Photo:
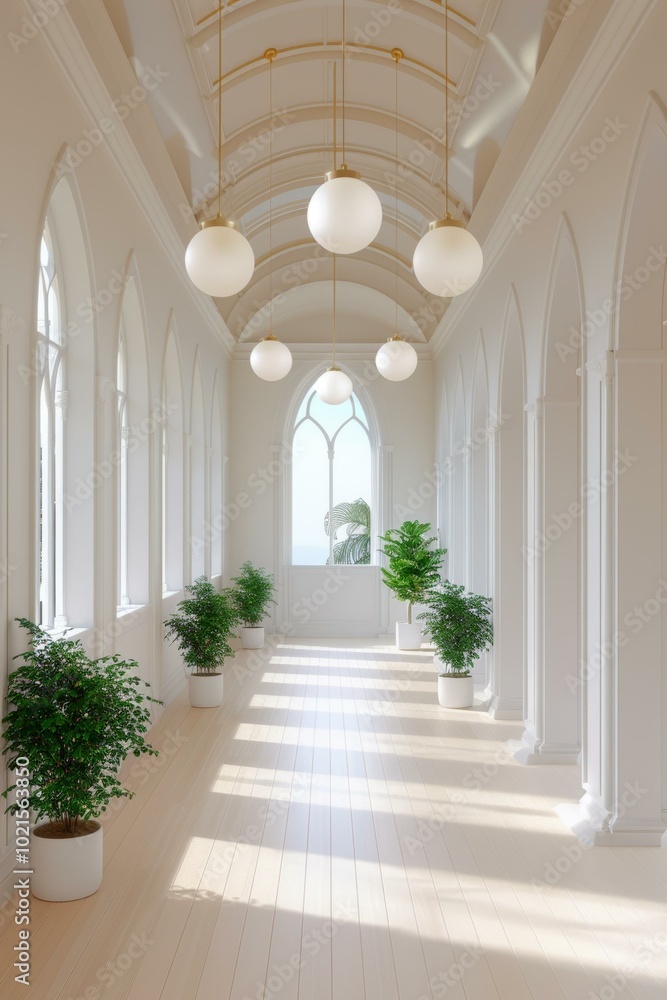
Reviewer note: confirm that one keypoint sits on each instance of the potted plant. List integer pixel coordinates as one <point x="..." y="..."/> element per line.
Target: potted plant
<point x="460" y="627"/>
<point x="252" y="596"/>
<point x="71" y="724"/>
<point x="202" y="626"/>
<point x="414" y="569"/>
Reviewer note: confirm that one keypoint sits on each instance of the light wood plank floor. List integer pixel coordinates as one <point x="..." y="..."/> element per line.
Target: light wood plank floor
<point x="330" y="833"/>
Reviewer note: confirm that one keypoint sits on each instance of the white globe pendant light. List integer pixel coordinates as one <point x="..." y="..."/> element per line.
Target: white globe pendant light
<point x="271" y="359"/>
<point x="448" y="260"/>
<point x="219" y="260"/>
<point x="345" y="214"/>
<point x="334" y="386"/>
<point x="396" y="360"/>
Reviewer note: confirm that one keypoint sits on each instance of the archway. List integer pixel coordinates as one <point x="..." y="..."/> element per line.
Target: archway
<point x="552" y="551"/>
<point x="507" y="688"/>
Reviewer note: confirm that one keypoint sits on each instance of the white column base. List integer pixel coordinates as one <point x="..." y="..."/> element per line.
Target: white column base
<point x="590" y="823"/>
<point x="505" y="709"/>
<point x="533" y="751"/>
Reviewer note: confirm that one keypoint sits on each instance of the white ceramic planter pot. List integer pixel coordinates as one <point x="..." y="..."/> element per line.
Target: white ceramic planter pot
<point x="408" y="635"/>
<point x="67" y="868"/>
<point x="455" y="692"/>
<point x="252" y="637"/>
<point x="206" y="690"/>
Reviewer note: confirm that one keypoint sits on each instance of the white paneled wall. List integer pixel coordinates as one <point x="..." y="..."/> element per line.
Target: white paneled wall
<point x="571" y="309"/>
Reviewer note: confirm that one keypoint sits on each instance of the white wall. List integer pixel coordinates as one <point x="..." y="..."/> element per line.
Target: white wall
<point x="258" y="512"/>
<point x="121" y="189"/>
<point x="571" y="221"/>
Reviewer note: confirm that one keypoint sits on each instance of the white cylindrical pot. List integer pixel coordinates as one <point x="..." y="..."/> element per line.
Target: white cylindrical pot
<point x="252" y="636"/>
<point x="455" y="692"/>
<point x="408" y="635"/>
<point x="65" y="868"/>
<point x="206" y="690"/>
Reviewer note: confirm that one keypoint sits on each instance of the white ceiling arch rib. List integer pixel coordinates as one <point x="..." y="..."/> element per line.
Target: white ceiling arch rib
<point x="495" y="50"/>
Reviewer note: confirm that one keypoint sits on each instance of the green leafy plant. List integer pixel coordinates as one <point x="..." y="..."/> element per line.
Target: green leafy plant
<point x="414" y="564"/>
<point x="459" y="625"/>
<point x="76" y="720"/>
<point x="253" y="594"/>
<point x="202" y="626"/>
<point x="355" y="548"/>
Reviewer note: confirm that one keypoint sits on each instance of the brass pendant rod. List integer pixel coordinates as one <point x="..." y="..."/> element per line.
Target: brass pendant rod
<point x="446" y="111"/>
<point x="335" y="116"/>
<point x="334" y="310"/>
<point x="343" y="93"/>
<point x="220" y="113"/>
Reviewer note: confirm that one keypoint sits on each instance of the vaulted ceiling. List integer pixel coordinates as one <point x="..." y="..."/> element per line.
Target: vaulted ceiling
<point x="496" y="47"/>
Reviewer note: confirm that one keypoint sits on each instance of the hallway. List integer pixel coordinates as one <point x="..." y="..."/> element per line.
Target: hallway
<point x="330" y="833"/>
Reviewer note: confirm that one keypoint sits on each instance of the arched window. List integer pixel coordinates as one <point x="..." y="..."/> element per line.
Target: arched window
<point x="332" y="484"/>
<point x="198" y="533"/>
<point x="66" y="478"/>
<point x="52" y="403"/>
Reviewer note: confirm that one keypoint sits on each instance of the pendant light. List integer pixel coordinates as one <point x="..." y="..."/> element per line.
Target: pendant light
<point x="396" y="360"/>
<point x="271" y="360"/>
<point x="334" y="386"/>
<point x="344" y="214"/>
<point x="448" y="259"/>
<point x="219" y="259"/>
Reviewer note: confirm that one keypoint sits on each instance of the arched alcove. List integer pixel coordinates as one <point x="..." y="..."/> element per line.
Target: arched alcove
<point x="555" y="519"/>
<point x="66" y="477"/>
<point x="458" y="469"/>
<point x="216" y="485"/>
<point x="173" y="467"/>
<point x="479" y="534"/>
<point x="136" y="427"/>
<point x="634" y="465"/>
<point x="198" y="446"/>
<point x="509" y="654"/>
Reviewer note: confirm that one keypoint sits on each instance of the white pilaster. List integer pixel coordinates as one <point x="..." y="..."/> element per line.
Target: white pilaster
<point x="552" y="721"/>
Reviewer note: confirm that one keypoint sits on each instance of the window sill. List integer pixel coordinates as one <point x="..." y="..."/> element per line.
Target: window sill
<point x="128" y="609"/>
